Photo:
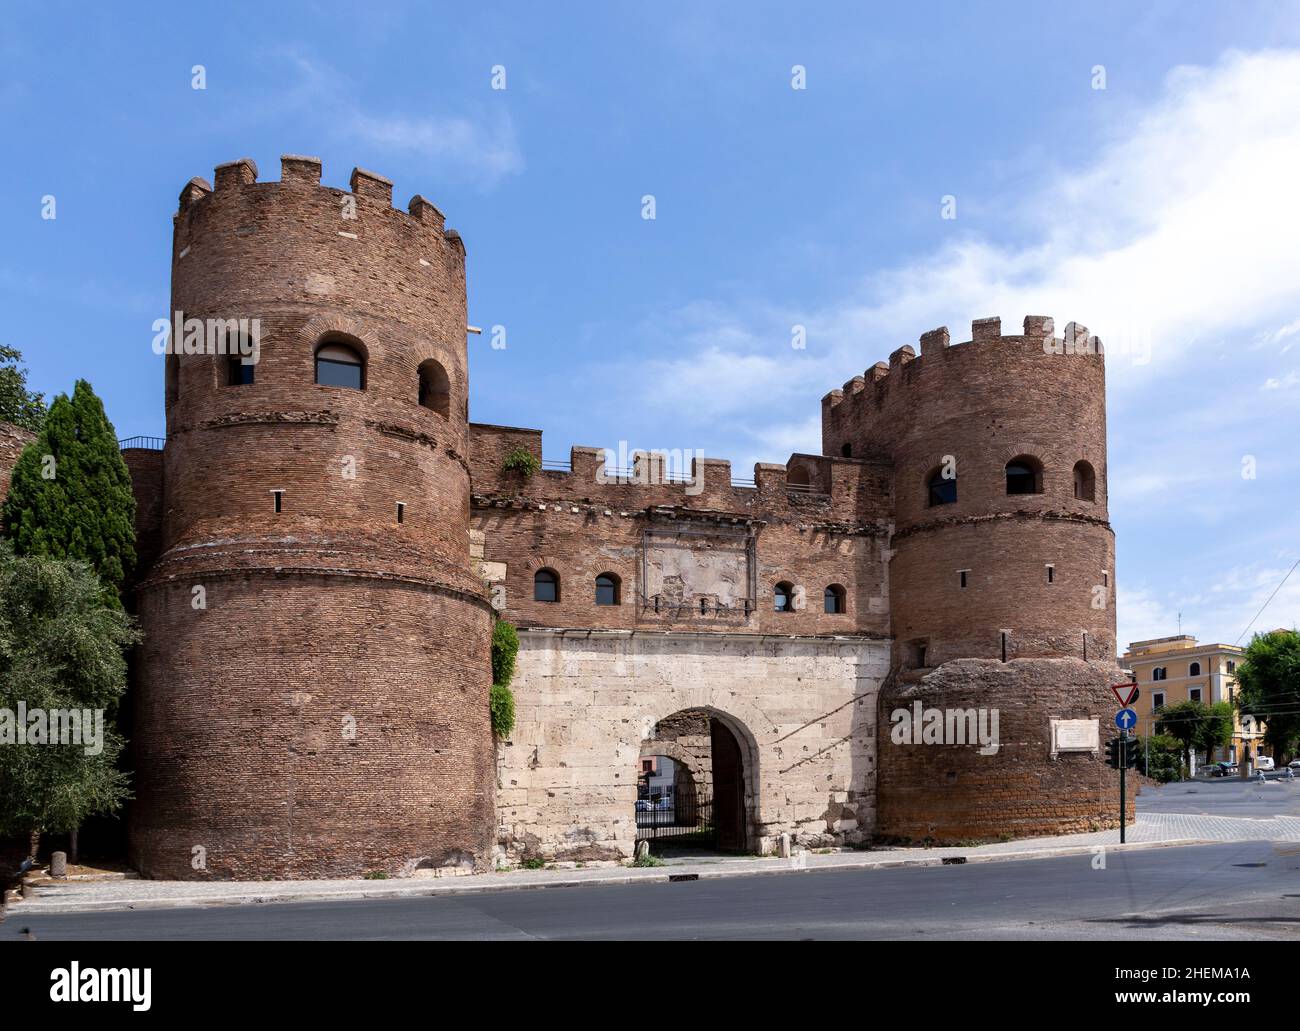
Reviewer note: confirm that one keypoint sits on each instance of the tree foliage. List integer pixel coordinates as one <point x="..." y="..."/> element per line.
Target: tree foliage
<point x="70" y="496"/>
<point x="1268" y="687"/>
<point x="61" y="649"/>
<point x="1162" y="758"/>
<point x="1185" y="722"/>
<point x="18" y="405"/>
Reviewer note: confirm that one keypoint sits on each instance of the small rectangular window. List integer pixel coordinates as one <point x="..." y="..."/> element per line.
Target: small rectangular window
<point x="401" y="511"/>
<point x="1157" y="699"/>
<point x="1194" y="694"/>
<point x="1051" y="574"/>
<point x="279" y="500"/>
<point x="1105" y="578"/>
<point x="961" y="577"/>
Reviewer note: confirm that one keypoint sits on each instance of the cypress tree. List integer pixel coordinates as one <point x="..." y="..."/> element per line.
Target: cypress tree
<point x="70" y="496"/>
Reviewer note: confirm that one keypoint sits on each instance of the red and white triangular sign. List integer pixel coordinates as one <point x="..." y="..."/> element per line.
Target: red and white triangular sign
<point x="1127" y="693"/>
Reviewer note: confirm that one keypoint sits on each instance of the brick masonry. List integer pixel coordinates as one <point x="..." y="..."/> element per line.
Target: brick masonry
<point x="324" y="710"/>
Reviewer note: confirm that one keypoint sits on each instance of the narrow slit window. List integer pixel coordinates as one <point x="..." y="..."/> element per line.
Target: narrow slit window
<point x="1051" y="574"/>
<point x="961" y="577"/>
<point x="401" y="511"/>
<point x="279" y="500"/>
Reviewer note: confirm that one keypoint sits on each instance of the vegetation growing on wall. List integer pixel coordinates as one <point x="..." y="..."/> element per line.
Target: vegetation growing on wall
<point x="521" y="461"/>
<point x="505" y="647"/>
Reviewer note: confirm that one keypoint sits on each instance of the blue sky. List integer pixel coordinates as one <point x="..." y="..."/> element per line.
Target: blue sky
<point x="1161" y="211"/>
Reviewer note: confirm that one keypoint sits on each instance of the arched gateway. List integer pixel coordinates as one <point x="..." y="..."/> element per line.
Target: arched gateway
<point x="693" y="786"/>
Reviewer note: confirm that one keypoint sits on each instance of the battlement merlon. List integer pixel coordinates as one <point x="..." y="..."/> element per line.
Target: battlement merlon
<point x="302" y="171"/>
<point x="986" y="331"/>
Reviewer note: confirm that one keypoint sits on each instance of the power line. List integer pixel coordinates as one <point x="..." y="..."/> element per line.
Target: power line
<point x="1270" y="598"/>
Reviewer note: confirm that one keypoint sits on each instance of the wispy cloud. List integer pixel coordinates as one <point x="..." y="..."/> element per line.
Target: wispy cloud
<point x="480" y="147"/>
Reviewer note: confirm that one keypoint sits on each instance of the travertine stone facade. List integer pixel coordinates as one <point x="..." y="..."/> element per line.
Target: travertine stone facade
<point x="802" y="708"/>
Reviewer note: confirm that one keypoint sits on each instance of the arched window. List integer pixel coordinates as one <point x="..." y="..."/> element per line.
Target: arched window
<point x="607" y="585"/>
<point x="1024" y="475"/>
<point x="846" y="450"/>
<point x="1194" y="670"/>
<point x="237" y="373"/>
<point x="435" y="388"/>
<point x="940" y="490"/>
<point x="1085" y="482"/>
<point x="1159" y="673"/>
<point x="546" y="585"/>
<point x="834" y="599"/>
<point x="340" y="365"/>
<point x="784" y="597"/>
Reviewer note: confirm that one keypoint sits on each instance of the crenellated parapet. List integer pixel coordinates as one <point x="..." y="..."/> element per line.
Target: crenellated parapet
<point x="905" y="365"/>
<point x="806" y="487"/>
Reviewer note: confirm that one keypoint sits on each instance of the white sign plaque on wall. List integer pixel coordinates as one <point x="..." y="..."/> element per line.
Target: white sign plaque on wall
<point x="1075" y="736"/>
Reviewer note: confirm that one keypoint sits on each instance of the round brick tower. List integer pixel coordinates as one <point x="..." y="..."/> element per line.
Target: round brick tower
<point x="313" y="686"/>
<point x="1002" y="573"/>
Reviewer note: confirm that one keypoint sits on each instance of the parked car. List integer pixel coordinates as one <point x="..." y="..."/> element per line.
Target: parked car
<point x="1215" y="770"/>
<point x="1294" y="764"/>
<point x="1264" y="762"/>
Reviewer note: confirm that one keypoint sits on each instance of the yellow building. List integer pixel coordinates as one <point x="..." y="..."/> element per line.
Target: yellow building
<point x="1178" y="669"/>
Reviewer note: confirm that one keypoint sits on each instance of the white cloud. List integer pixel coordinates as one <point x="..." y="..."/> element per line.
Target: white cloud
<point x="1180" y="231"/>
<point x="483" y="150"/>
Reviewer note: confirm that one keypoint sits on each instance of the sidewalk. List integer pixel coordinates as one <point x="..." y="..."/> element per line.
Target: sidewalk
<point x="1152" y="830"/>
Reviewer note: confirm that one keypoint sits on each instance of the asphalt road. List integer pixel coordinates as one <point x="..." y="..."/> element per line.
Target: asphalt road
<point x="1247" y="890"/>
<point x="1224" y="797"/>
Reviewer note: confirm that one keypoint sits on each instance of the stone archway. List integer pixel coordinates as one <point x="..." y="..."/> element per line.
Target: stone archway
<point x="709" y="802"/>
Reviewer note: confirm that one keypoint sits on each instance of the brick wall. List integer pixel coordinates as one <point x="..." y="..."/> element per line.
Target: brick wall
<point x="12" y="441"/>
<point x="948" y="792"/>
<point x="332" y="607"/>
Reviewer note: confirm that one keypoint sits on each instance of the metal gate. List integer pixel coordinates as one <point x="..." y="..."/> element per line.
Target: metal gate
<point x="681" y="819"/>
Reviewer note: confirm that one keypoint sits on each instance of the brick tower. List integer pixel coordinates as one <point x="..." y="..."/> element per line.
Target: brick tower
<point x="312" y="693"/>
<point x="1001" y="575"/>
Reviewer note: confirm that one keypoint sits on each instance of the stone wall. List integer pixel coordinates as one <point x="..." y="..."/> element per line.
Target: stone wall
<point x="803" y="710"/>
<point x="945" y="792"/>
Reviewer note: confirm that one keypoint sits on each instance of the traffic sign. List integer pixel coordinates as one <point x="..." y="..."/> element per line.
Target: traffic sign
<point x="1125" y="719"/>
<point x="1126" y="693"/>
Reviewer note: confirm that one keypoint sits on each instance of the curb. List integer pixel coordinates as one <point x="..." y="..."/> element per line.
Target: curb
<point x="658" y="875"/>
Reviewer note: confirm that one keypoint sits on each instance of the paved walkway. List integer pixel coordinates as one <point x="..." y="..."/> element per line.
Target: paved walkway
<point x="1150" y="830"/>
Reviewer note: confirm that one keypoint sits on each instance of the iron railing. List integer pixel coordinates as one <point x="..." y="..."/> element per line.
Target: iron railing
<point x="142" y="443"/>
<point x="683" y="822"/>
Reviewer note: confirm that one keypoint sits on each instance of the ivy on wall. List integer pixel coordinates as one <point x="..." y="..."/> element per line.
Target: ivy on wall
<point x="501" y="701"/>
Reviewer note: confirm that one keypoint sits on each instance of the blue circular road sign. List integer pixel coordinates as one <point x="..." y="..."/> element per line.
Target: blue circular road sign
<point x="1125" y="719"/>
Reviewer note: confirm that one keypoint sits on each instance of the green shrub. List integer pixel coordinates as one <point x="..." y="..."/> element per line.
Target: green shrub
<point x="501" y="703"/>
<point x="1161" y="758"/>
<point x="520" y="460"/>
<point x="647" y="860"/>
<point x="505" y="647"/>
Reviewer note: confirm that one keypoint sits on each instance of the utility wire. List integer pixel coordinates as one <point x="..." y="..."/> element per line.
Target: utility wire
<point x="1270" y="598"/>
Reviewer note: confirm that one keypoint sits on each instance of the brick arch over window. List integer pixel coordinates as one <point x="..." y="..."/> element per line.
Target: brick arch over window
<point x="434" y="387"/>
<point x="353" y="332"/>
